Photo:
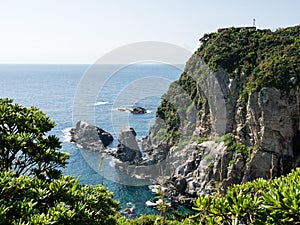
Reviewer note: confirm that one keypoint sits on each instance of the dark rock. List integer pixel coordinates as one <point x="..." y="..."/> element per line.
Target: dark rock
<point x="105" y="137"/>
<point x="138" y="110"/>
<point x="90" y="137"/>
<point x="128" y="148"/>
<point x="180" y="185"/>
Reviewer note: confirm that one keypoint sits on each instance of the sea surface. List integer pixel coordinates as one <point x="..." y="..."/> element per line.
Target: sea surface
<point x="55" y="89"/>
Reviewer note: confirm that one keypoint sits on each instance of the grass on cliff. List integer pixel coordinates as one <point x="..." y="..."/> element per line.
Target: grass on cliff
<point x="237" y="147"/>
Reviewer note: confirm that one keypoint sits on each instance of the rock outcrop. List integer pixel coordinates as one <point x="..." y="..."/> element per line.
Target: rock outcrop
<point x="90" y="137"/>
<point x="128" y="149"/>
<point x="267" y="129"/>
<point x="138" y="110"/>
<point x="229" y="118"/>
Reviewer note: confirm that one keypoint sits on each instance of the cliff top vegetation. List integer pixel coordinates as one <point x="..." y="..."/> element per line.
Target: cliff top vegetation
<point x="262" y="58"/>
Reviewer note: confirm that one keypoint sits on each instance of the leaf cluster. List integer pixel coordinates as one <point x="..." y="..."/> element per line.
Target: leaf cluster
<point x="24" y="145"/>
<point x="256" y="202"/>
<point x="30" y="200"/>
<point x="32" y="189"/>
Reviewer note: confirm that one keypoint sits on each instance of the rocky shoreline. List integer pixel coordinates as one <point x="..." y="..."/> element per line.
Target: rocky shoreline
<point x="232" y="117"/>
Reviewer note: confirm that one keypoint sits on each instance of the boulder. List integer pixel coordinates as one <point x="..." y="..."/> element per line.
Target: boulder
<point x="128" y="149"/>
<point x="138" y="110"/>
<point x="180" y="185"/>
<point x="90" y="137"/>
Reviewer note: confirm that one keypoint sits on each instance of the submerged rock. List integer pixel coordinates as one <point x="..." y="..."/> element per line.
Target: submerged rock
<point x="90" y="137"/>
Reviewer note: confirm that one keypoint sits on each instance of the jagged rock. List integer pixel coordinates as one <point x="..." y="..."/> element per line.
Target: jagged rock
<point x="180" y="184"/>
<point x="272" y="118"/>
<point x="128" y="148"/>
<point x="208" y="103"/>
<point x="138" y="110"/>
<point x="90" y="137"/>
<point x="192" y="186"/>
<point x="234" y="175"/>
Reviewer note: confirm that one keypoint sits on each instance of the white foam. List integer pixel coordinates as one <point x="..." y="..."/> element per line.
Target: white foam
<point x="101" y="103"/>
<point x="155" y="188"/>
<point x="121" y="109"/>
<point x="152" y="204"/>
<point x="66" y="134"/>
<point x="79" y="146"/>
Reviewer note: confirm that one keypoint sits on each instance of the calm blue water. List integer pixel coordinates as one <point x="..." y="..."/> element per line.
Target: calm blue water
<point x="52" y="89"/>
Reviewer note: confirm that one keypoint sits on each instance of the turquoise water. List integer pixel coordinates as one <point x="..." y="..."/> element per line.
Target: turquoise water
<point x="52" y="88"/>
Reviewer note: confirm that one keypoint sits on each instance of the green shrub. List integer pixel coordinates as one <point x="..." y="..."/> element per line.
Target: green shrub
<point x="257" y="202"/>
<point x="236" y="147"/>
<point x="30" y="200"/>
<point x="155" y="220"/>
<point x="201" y="140"/>
<point x="281" y="203"/>
<point x="32" y="191"/>
<point x="182" y="143"/>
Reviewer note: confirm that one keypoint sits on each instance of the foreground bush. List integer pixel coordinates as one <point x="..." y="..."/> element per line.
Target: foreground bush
<point x="29" y="200"/>
<point x="257" y="202"/>
<point x="155" y="220"/>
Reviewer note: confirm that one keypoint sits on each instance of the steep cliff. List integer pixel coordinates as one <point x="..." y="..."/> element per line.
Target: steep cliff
<point x="234" y="114"/>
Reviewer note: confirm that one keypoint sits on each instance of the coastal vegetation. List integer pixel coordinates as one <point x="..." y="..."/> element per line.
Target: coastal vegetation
<point x="236" y="147"/>
<point x="257" y="202"/>
<point x="32" y="188"/>
<point x="24" y="147"/>
<point x="31" y="200"/>
<point x="260" y="58"/>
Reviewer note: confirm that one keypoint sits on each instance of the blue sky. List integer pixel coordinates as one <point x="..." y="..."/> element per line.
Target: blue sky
<point x="81" y="31"/>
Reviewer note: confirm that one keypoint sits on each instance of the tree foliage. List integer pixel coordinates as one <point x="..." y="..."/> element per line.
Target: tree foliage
<point x="24" y="146"/>
<point x="30" y="200"/>
<point x="27" y="157"/>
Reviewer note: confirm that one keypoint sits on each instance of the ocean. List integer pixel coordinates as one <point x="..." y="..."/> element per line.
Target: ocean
<point x="60" y="92"/>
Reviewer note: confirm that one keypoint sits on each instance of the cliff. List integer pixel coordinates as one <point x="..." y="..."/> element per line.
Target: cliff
<point x="233" y="115"/>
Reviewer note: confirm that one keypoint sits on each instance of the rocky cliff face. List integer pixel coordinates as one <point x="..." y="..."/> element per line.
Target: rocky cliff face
<point x="227" y="121"/>
<point x="264" y="143"/>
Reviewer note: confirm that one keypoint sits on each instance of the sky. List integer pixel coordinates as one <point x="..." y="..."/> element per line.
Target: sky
<point x="81" y="31"/>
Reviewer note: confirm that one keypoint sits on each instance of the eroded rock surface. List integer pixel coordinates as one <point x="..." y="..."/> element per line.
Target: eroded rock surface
<point x="90" y="137"/>
<point x="128" y="149"/>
